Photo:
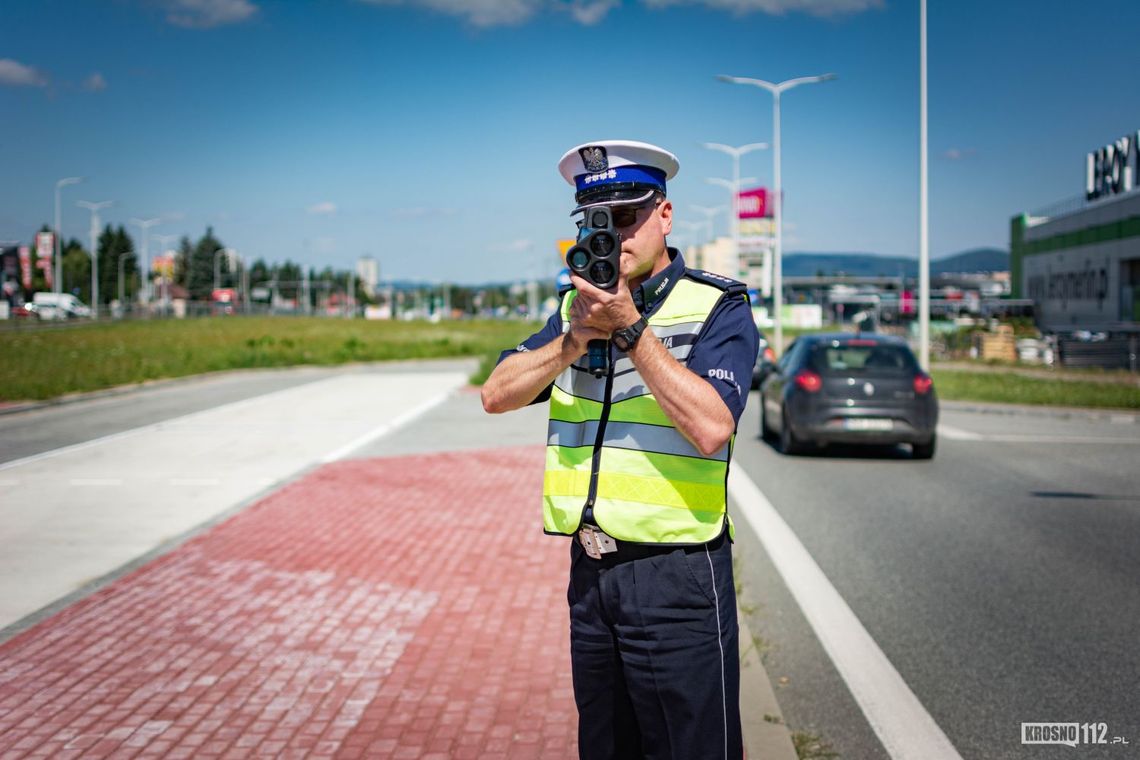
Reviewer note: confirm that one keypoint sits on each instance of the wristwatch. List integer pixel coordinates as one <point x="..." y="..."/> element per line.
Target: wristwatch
<point x="626" y="338"/>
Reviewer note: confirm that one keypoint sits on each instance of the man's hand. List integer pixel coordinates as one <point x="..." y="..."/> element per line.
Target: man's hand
<point x="603" y="311"/>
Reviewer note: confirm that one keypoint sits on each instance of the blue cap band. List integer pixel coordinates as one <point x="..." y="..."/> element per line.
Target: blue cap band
<point x="644" y="175"/>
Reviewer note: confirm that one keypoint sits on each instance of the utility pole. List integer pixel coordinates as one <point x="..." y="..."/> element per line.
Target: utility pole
<point x="94" y="209"/>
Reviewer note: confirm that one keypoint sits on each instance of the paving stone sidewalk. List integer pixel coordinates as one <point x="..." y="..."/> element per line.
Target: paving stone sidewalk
<point x="393" y="607"/>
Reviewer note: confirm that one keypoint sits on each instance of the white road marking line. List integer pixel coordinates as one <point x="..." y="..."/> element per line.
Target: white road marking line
<point x="895" y="714"/>
<point x="381" y="430"/>
<point x="96" y="481"/>
<point x="155" y="425"/>
<point x="1060" y="439"/>
<point x="194" y="481"/>
<point x="957" y="434"/>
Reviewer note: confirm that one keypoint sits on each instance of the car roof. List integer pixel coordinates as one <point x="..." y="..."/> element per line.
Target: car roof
<point x="890" y="340"/>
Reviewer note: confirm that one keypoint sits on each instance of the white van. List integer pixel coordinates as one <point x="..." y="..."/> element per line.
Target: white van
<point x="60" y="306"/>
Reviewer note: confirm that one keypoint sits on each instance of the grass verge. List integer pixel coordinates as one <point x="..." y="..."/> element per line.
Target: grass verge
<point x="1010" y="388"/>
<point x="41" y="364"/>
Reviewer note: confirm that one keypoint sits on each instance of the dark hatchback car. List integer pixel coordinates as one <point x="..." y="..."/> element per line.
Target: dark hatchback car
<point x="849" y="388"/>
<point x="765" y="361"/>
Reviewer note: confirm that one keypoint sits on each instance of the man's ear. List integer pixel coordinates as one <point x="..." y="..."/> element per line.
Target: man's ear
<point x="666" y="211"/>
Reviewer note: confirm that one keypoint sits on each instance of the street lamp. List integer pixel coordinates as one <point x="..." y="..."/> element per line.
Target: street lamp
<point x="217" y="271"/>
<point x="163" y="241"/>
<point x="736" y="153"/>
<point x="146" y="224"/>
<point x="58" y="234"/>
<point x="94" y="209"/>
<point x="733" y="187"/>
<point x="709" y="212"/>
<point x="924" y="209"/>
<point x="777" y="201"/>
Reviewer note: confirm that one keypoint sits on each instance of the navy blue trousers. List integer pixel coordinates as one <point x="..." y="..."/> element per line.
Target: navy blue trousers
<point x="653" y="646"/>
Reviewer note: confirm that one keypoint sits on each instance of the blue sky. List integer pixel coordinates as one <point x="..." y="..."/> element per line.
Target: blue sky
<point x="426" y="133"/>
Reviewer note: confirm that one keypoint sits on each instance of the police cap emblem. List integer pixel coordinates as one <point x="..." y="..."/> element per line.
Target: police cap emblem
<point x="594" y="158"/>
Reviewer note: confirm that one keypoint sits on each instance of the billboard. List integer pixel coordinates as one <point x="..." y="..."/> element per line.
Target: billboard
<point x="26" y="267"/>
<point x="753" y="203"/>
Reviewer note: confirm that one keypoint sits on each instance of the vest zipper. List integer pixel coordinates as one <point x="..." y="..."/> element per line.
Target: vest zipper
<point x="597" y="460"/>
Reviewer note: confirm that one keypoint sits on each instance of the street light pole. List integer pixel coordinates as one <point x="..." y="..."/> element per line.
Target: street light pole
<point x="777" y="201"/>
<point x="94" y="209"/>
<point x="59" y="234"/>
<point x="217" y="272"/>
<point x="733" y="187"/>
<point x="163" y="241"/>
<point x="736" y="153"/>
<point x="923" y="214"/>
<point x="709" y="212"/>
<point x="145" y="225"/>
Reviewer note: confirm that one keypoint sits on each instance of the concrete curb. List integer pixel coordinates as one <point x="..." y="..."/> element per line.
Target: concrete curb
<point x="766" y="736"/>
<point x="1053" y="412"/>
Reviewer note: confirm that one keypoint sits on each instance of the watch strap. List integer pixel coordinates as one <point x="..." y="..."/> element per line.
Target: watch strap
<point x="628" y="336"/>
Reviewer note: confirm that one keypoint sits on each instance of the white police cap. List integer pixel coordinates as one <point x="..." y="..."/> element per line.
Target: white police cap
<point x="616" y="172"/>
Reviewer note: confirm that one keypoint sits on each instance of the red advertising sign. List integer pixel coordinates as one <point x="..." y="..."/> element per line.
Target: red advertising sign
<point x="26" y="267"/>
<point x="906" y="303"/>
<point x="753" y="203"/>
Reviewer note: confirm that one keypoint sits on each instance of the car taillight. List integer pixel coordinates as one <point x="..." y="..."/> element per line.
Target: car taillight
<point x="809" y="381"/>
<point x="769" y="355"/>
<point x="922" y="384"/>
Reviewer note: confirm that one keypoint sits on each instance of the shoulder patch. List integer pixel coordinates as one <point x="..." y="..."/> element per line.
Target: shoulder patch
<point x="718" y="281"/>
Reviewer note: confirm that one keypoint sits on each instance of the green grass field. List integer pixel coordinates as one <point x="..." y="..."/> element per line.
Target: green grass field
<point x="1009" y="388"/>
<point x="45" y="363"/>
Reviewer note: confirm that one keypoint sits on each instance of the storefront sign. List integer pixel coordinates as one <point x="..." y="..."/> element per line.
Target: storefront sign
<point x="1113" y="169"/>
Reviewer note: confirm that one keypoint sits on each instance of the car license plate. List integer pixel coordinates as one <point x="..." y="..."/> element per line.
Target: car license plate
<point x="868" y="423"/>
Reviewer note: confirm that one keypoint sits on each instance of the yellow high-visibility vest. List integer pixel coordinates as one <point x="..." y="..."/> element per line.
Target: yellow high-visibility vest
<point x="612" y="447"/>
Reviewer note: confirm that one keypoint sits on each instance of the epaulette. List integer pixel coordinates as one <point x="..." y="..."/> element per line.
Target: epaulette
<point x="727" y="284"/>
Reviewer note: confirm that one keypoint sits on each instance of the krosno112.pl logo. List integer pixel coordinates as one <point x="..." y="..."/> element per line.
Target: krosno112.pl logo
<point x="1069" y="734"/>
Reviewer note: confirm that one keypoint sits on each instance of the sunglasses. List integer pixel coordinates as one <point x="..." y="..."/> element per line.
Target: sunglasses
<point x="626" y="216"/>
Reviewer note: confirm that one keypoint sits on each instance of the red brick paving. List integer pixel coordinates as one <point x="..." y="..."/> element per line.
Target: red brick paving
<point x="403" y="607"/>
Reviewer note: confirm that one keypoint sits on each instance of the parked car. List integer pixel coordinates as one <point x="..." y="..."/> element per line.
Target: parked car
<point x="25" y="311"/>
<point x="849" y="388"/>
<point x="765" y="362"/>
<point x="60" y="306"/>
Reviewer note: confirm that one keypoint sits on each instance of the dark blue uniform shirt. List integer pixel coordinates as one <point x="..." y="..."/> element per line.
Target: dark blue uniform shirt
<point x="725" y="350"/>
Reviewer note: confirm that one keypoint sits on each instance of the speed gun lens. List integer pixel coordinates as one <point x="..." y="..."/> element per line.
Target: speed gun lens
<point x="579" y="258"/>
<point x="602" y="244"/>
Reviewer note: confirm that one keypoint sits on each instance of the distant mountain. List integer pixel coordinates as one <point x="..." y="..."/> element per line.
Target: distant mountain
<point x="872" y="265"/>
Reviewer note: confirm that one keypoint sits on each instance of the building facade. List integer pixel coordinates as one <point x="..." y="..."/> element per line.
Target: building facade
<point x="1079" y="261"/>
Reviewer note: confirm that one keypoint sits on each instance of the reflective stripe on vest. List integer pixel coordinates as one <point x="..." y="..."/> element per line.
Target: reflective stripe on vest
<point x="651" y="484"/>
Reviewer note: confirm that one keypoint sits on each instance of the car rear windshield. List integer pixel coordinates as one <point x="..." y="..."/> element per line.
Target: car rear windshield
<point x="856" y="357"/>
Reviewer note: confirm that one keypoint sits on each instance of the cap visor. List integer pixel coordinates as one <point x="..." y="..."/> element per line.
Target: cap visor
<point x="615" y="202"/>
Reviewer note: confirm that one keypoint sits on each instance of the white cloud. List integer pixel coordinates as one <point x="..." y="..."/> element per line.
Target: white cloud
<point x="957" y="154"/>
<point x="419" y="212"/>
<point x="203" y="14"/>
<point x="489" y="13"/>
<point x="482" y="13"/>
<point x="588" y="13"/>
<point x="95" y="82"/>
<point x="515" y="246"/>
<point x="16" y="74"/>
<point x="822" y="8"/>
<point x="323" y="208"/>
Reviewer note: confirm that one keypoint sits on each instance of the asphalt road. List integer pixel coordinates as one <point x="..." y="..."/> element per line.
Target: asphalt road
<point x="1000" y="579"/>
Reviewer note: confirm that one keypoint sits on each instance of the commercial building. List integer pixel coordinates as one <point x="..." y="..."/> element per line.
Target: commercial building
<point x="1079" y="260"/>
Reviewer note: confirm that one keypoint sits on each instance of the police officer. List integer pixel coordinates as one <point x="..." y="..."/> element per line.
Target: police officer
<point x="636" y="469"/>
